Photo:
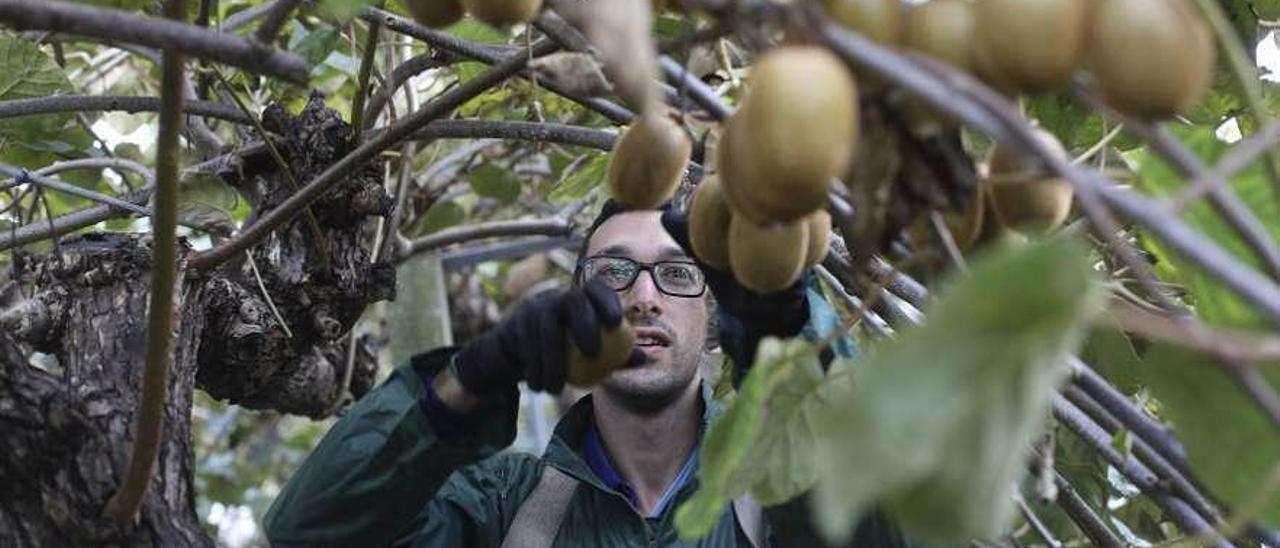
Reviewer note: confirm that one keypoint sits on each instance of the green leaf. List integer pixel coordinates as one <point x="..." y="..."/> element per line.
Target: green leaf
<point x="1231" y="443"/>
<point x="1076" y="126"/>
<point x="343" y="9"/>
<point x="1112" y="353"/>
<point x="314" y="46"/>
<point x="939" y="422"/>
<point x="494" y="181"/>
<point x="763" y="443"/>
<point x="207" y="202"/>
<point x="1268" y="10"/>
<point x="1211" y="300"/>
<point x="588" y="176"/>
<point x="441" y="215"/>
<point x="33" y="141"/>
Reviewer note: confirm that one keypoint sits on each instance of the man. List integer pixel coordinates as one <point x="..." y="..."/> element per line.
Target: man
<point x="415" y="461"/>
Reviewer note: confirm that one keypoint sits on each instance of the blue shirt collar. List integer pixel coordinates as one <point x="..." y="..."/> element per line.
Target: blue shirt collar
<point x="598" y="460"/>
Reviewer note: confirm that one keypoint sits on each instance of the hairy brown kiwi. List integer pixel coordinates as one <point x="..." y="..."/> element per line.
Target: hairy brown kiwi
<point x="1035" y="44"/>
<point x="766" y="259"/>
<point x="709" y="218"/>
<point x="819" y="237"/>
<point x="615" y="347"/>
<point x="648" y="161"/>
<point x="434" y="13"/>
<point x="879" y="20"/>
<point x="502" y="13"/>
<point x="1152" y="58"/>
<point x="795" y="132"/>
<point x="943" y="29"/>
<point x="1022" y="197"/>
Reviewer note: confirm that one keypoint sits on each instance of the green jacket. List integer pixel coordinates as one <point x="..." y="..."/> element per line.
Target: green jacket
<point x="383" y="476"/>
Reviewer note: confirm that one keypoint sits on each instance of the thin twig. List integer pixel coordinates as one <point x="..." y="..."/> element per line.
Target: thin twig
<point x="1185" y="331"/>
<point x="125" y="164"/>
<point x="1187" y="519"/>
<point x="402" y="129"/>
<point x="109" y="103"/>
<point x="362" y="81"/>
<point x="154" y="32"/>
<point x="124" y="503"/>
<point x="1083" y="516"/>
<point x="1098" y="146"/>
<point x="22" y="176"/>
<point x="523" y="227"/>
<point x="266" y="296"/>
<point x="399" y="76"/>
<point x="1037" y="524"/>
<point x="487" y="54"/>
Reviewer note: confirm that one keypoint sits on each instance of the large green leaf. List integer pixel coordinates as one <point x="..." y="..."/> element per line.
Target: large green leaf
<point x="939" y="422"/>
<point x="577" y="184"/>
<point x="1230" y="442"/>
<point x="494" y="181"/>
<point x="34" y="141"/>
<point x="764" y="441"/>
<point x="1211" y="300"/>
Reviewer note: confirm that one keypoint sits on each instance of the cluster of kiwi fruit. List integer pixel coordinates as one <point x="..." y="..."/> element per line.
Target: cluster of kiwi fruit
<point x="499" y="13"/>
<point x="1151" y="58"/>
<point x="761" y="217"/>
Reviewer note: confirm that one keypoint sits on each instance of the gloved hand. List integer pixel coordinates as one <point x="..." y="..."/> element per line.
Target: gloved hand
<point x="783" y="313"/>
<point x="530" y="344"/>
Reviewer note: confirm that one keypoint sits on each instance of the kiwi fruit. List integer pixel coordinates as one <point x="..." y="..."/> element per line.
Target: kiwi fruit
<point x="819" y="237"/>
<point x="709" y="218"/>
<point x="503" y="13"/>
<point x="648" y="161"/>
<point x="1024" y="199"/>
<point x="796" y="131"/>
<point x="615" y="348"/>
<point x="434" y="13"/>
<point x="1152" y="58"/>
<point x="1035" y="44"/>
<point x="879" y="20"/>
<point x="735" y="177"/>
<point x="943" y="29"/>
<point x="767" y="258"/>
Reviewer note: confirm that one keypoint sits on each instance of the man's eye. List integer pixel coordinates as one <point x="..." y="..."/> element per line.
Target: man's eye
<point x="679" y="274"/>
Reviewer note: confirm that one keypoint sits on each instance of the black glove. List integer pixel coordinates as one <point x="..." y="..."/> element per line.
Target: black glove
<point x="753" y="316"/>
<point x="530" y="343"/>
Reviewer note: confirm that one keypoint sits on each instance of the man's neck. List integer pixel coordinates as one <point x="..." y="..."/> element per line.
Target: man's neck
<point x="648" y="449"/>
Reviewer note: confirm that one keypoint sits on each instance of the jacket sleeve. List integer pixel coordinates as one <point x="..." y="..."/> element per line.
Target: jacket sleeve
<point x="368" y="479"/>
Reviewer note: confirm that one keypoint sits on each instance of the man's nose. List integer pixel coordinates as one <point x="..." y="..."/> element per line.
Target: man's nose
<point x="643" y="296"/>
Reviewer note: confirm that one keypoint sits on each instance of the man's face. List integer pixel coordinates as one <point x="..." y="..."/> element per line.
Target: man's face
<point x="670" y="330"/>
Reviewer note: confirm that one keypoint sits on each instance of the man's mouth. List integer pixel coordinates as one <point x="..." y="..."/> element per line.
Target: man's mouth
<point x="650" y="337"/>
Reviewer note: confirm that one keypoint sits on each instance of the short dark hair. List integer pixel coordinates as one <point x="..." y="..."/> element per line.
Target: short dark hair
<point x="610" y="208"/>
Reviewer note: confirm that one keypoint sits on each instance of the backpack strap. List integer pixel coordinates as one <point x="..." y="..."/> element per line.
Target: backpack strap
<point x="750" y="519"/>
<point x="538" y="519"/>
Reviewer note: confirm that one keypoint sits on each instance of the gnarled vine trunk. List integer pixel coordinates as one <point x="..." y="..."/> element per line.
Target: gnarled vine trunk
<point x="65" y="429"/>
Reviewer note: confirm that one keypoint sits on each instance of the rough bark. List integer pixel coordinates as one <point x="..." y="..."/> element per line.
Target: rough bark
<point x="255" y="361"/>
<point x="66" y="430"/>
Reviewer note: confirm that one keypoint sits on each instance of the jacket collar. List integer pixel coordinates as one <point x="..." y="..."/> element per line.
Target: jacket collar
<point x="565" y="451"/>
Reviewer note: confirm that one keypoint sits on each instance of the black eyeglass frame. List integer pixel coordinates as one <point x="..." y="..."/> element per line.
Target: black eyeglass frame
<point x="645" y="267"/>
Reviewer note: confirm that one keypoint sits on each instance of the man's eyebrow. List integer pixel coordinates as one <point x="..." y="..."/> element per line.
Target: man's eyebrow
<point x="672" y="253"/>
<point x="615" y="249"/>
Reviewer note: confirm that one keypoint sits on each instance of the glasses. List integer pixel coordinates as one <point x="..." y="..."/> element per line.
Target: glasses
<point x="674" y="278"/>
